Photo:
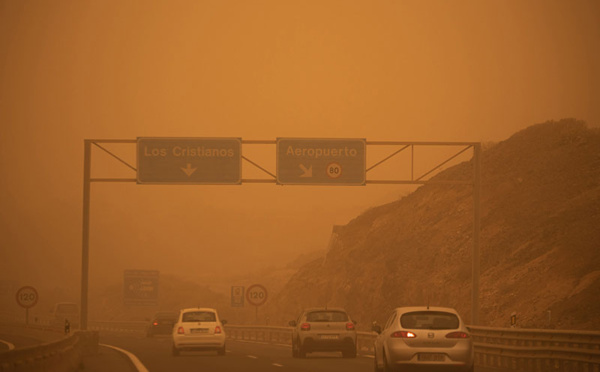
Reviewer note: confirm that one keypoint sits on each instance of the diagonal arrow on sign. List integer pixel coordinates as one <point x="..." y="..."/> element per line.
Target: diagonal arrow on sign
<point x="188" y="169"/>
<point x="307" y="171"/>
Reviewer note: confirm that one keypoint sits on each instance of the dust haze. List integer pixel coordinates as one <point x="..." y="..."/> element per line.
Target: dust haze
<point x="384" y="71"/>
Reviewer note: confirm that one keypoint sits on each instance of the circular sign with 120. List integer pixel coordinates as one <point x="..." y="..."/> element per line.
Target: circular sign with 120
<point x="256" y="294"/>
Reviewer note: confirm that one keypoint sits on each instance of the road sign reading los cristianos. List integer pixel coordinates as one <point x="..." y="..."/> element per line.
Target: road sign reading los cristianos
<point x="189" y="160"/>
<point x="321" y="161"/>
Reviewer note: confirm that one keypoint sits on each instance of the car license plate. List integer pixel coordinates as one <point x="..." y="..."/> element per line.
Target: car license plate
<point x="199" y="330"/>
<point x="432" y="357"/>
<point x="329" y="337"/>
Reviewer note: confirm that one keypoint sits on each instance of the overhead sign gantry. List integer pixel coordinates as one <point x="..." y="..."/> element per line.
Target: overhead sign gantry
<point x="300" y="161"/>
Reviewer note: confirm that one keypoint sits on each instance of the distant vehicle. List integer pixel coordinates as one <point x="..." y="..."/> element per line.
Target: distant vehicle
<point x="423" y="338"/>
<point x="199" y="329"/>
<point x="323" y="329"/>
<point x="162" y="323"/>
<point x="62" y="311"/>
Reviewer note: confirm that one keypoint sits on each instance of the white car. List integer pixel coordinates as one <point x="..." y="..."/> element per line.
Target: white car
<point x="199" y="329"/>
<point x="424" y="338"/>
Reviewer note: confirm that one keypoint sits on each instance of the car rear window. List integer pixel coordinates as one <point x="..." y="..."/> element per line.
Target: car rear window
<point x="199" y="316"/>
<point x="429" y="320"/>
<point x="327" y="316"/>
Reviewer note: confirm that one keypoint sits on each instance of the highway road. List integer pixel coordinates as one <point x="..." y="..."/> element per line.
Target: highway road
<point x="155" y="355"/>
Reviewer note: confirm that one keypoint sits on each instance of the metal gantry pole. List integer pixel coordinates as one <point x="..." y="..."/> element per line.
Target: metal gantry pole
<point x="87" y="160"/>
<point x="476" y="231"/>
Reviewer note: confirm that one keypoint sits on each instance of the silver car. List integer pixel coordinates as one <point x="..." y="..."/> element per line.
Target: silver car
<point x="423" y="338"/>
<point x="323" y="329"/>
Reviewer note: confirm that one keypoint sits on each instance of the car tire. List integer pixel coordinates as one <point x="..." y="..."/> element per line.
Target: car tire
<point x="375" y="366"/>
<point x="350" y="352"/>
<point x="386" y="366"/>
<point x="175" y="351"/>
<point x="301" y="351"/>
<point x="221" y="351"/>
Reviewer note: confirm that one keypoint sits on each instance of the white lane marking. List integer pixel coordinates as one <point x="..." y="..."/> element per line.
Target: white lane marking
<point x="10" y="346"/>
<point x="278" y="365"/>
<point x="136" y="362"/>
<point x="367" y="355"/>
<point x="252" y="356"/>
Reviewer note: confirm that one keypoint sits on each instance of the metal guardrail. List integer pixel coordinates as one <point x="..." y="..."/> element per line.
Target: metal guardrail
<point x="527" y="350"/>
<point x="118" y="326"/>
<point x="536" y="350"/>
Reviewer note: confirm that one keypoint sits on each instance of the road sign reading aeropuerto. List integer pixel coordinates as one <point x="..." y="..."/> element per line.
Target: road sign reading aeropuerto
<point x="321" y="161"/>
<point x="169" y="160"/>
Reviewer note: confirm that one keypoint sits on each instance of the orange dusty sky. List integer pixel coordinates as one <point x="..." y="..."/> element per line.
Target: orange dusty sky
<point x="381" y="70"/>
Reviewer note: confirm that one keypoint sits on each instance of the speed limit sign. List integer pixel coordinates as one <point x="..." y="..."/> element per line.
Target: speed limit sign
<point x="256" y="294"/>
<point x="334" y="170"/>
<point x="27" y="297"/>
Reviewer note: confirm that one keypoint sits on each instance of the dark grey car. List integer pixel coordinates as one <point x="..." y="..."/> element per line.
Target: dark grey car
<point x="323" y="329"/>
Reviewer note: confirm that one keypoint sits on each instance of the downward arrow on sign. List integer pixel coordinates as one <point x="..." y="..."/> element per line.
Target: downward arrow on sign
<point x="188" y="169"/>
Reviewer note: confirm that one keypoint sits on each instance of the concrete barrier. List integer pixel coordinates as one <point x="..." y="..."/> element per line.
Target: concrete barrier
<point x="63" y="355"/>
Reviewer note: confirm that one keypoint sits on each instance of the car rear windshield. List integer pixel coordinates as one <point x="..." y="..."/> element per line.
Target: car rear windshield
<point x="429" y="320"/>
<point x="199" y="316"/>
<point x="327" y="316"/>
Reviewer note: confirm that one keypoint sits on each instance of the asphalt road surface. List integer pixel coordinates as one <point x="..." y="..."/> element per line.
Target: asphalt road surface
<point x="155" y="355"/>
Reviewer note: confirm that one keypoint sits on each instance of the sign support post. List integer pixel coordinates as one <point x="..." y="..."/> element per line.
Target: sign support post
<point x="85" y="246"/>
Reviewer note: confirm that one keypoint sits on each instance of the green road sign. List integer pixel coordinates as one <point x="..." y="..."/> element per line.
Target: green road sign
<point x="189" y="160"/>
<point x="321" y="161"/>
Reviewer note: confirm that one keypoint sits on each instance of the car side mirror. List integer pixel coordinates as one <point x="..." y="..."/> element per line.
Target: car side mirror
<point x="292" y="323"/>
<point x="376" y="328"/>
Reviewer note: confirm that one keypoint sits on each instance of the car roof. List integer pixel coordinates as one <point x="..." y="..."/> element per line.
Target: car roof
<point x="324" y="309"/>
<point x="197" y="309"/>
<point x="408" y="309"/>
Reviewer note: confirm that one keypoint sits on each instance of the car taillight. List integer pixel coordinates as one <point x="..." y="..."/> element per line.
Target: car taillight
<point x="403" y="334"/>
<point x="350" y="326"/>
<point x="457" y="335"/>
<point x="305" y="327"/>
<point x="180" y="330"/>
<point x="217" y="329"/>
<point x="155" y="323"/>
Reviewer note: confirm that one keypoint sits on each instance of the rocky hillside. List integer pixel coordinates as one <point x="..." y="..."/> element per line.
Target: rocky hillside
<point x="540" y="241"/>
